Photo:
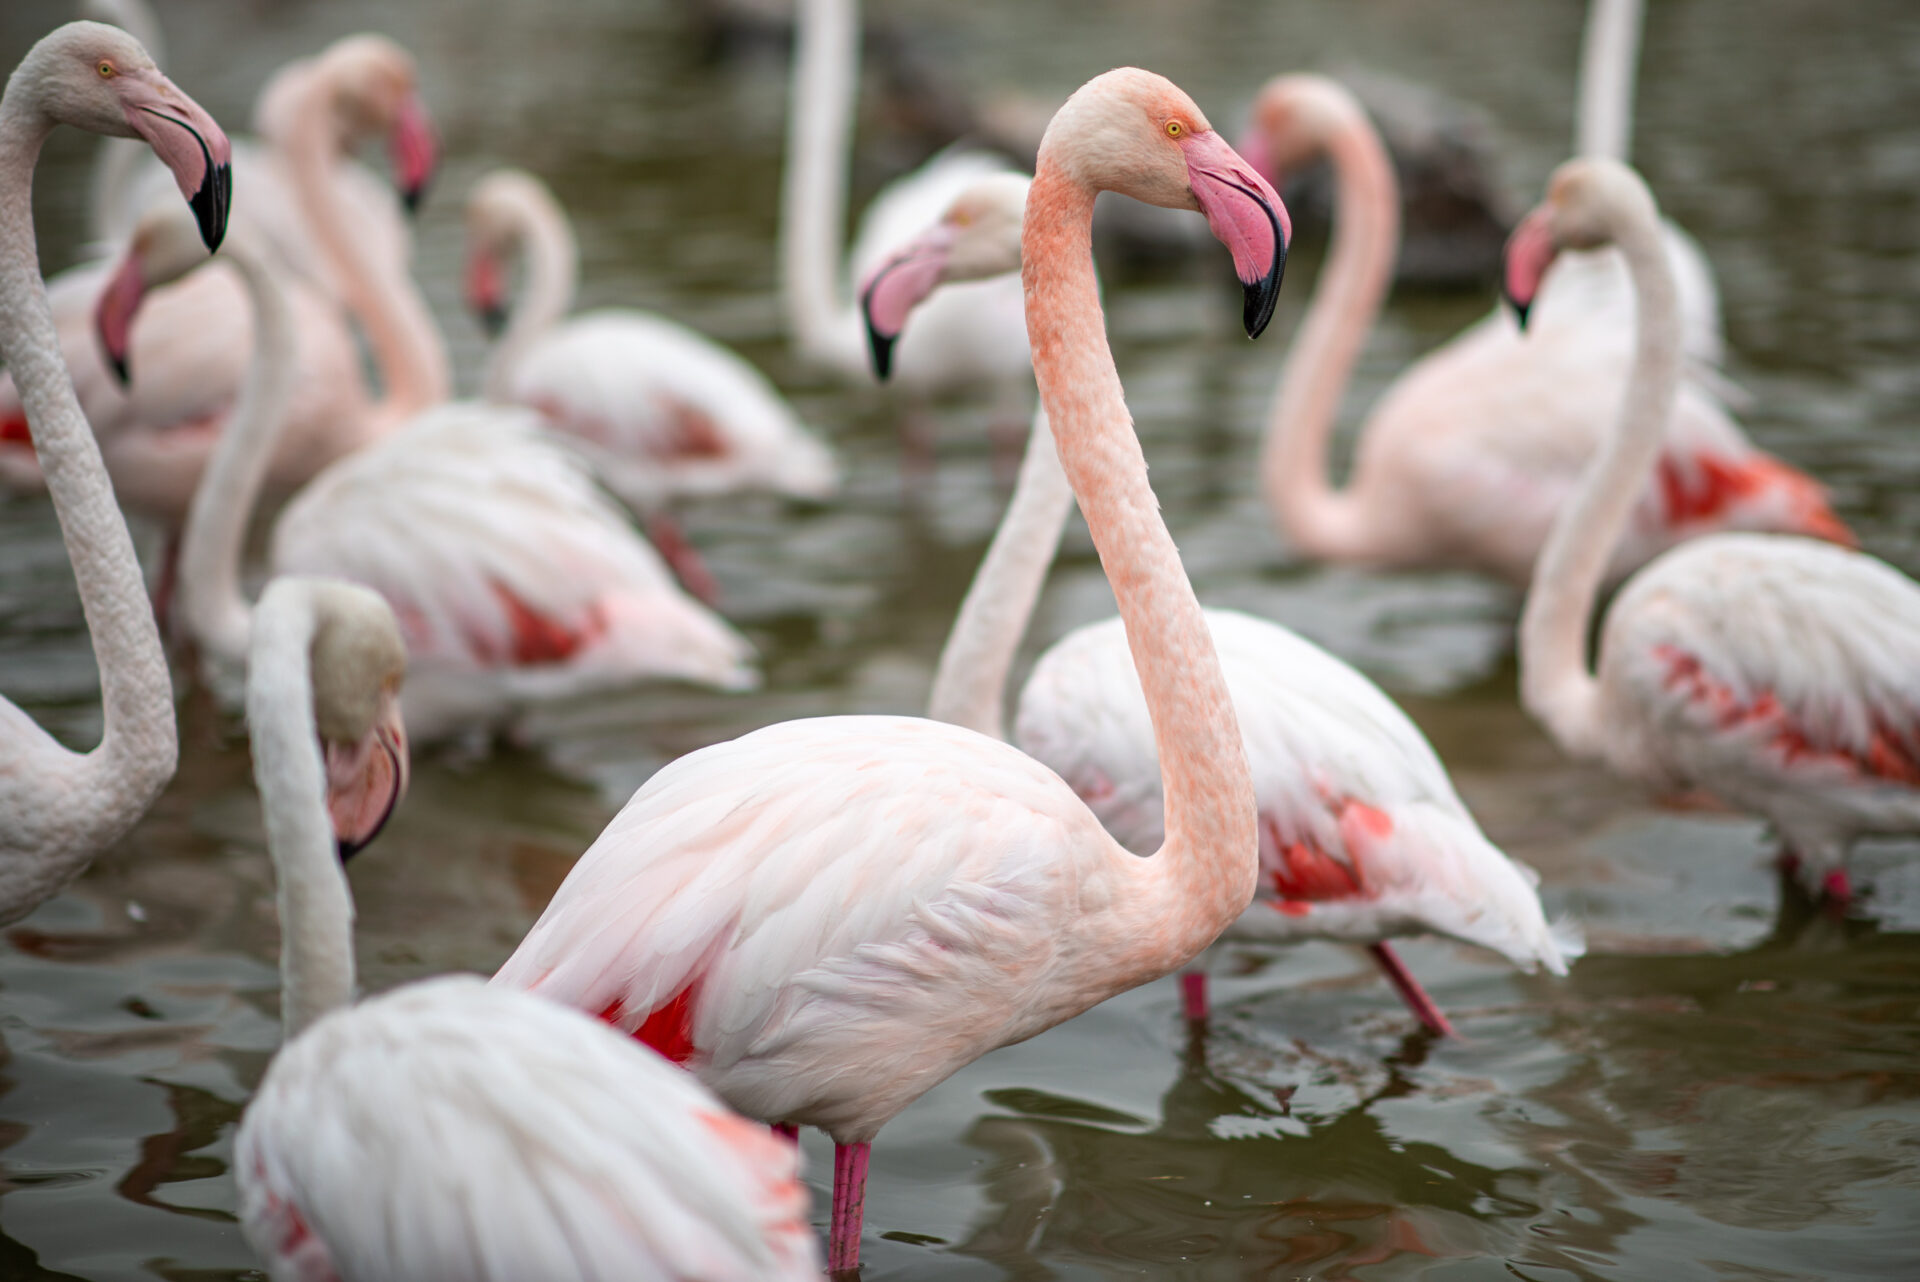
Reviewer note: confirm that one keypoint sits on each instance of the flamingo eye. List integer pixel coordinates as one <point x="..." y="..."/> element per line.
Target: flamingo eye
<point x="106" y="70"/>
<point x="1175" y="129"/>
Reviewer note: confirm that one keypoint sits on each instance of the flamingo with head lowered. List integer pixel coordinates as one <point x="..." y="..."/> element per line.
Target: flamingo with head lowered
<point x="825" y="918"/>
<point x="59" y="808"/>
<point x="449" y="1129"/>
<point x="1362" y="836"/>
<point x="1779" y="674"/>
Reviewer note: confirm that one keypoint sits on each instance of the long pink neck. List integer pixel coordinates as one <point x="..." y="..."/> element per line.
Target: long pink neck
<point x="138" y="747"/>
<point x="1555" y="682"/>
<point x="1293" y="465"/>
<point x="414" y="372"/>
<point x="552" y="270"/>
<point x="1203" y="875"/>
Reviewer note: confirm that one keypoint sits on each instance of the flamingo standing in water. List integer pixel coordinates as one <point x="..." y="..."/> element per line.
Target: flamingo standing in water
<point x="515" y="578"/>
<point x="1778" y="674"/>
<point x="1466" y="459"/>
<point x="1362" y="836"/>
<point x="825" y="918"/>
<point x="60" y="808"/>
<point x="449" y="1129"/>
<point x="664" y="412"/>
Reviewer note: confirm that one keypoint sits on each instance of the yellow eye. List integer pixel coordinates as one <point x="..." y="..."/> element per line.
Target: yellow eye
<point x="1175" y="129"/>
<point x="106" y="71"/>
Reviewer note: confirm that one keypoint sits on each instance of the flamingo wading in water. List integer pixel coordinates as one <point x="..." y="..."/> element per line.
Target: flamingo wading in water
<point x="1362" y="836"/>
<point x="58" y="808"/>
<point x="449" y="1129"/>
<point x="1779" y="674"/>
<point x="825" y="918"/>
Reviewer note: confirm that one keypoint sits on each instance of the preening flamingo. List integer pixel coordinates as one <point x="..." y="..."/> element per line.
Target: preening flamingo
<point x="515" y="578"/>
<point x="449" y="1129"/>
<point x="825" y="918"/>
<point x="1776" y="673"/>
<point x="59" y="808"/>
<point x="1465" y="460"/>
<point x="665" y="413"/>
<point x="1362" y="836"/>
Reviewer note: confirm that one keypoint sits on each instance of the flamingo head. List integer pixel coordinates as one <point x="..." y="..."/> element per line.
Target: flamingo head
<point x="501" y="208"/>
<point x="1587" y="198"/>
<point x="358" y="662"/>
<point x="1138" y="134"/>
<point x="1293" y="120"/>
<point x="165" y="246"/>
<point x="978" y="237"/>
<point x="374" y="88"/>
<point x="99" y="78"/>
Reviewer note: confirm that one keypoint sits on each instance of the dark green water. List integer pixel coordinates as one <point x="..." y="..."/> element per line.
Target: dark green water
<point x="1728" y="1087"/>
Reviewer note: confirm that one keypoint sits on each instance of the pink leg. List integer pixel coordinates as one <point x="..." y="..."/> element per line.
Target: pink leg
<point x="1838" y="887"/>
<point x="1410" y="991"/>
<point x="163" y="588"/>
<point x="849" y="1204"/>
<point x="787" y="1131"/>
<point x="1193" y="995"/>
<point x="683" y="559"/>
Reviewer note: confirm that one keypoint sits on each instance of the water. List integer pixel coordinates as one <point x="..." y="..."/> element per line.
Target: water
<point x="1725" y="1088"/>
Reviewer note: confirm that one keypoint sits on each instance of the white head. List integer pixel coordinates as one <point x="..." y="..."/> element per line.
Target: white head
<point x="1293" y="119"/>
<point x="372" y="88"/>
<point x="358" y="662"/>
<point x="499" y="209"/>
<point x="1588" y="201"/>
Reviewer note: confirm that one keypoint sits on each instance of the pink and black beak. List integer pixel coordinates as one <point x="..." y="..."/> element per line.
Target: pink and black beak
<point x="896" y="287"/>
<point x="1530" y="251"/>
<point x="413" y="151"/>
<point x="186" y="138"/>
<point x="486" y="292"/>
<point x="366" y="780"/>
<point x="1247" y="216"/>
<point x="114" y="313"/>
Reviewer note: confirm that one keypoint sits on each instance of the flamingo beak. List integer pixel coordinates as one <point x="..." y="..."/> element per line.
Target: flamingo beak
<point x="186" y="138"/>
<point x="486" y="293"/>
<point x="1530" y="251"/>
<point x="113" y="315"/>
<point x="413" y="151"/>
<point x="1247" y="216"/>
<point x="366" y="780"/>
<point x="897" y="286"/>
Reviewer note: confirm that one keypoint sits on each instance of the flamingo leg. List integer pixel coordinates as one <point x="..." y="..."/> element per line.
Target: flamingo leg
<point x="849" y="1204"/>
<point x="671" y="542"/>
<point x="1193" y="995"/>
<point x="1838" y="887"/>
<point x="1410" y="991"/>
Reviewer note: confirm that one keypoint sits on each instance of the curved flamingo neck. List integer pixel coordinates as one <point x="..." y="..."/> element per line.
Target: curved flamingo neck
<point x="414" y="373"/>
<point x="1203" y="874"/>
<point x="552" y="271"/>
<point x="115" y="782"/>
<point x="969" y="688"/>
<point x="813" y="196"/>
<point x="1609" y="59"/>
<point x="1556" y="683"/>
<point x="215" y="611"/>
<point x="1318" y="519"/>
<point x="316" y="910"/>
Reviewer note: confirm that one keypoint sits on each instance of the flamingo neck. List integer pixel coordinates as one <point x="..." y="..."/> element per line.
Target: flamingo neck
<point x="316" y="910"/>
<point x="552" y="271"/>
<point x="407" y="348"/>
<point x="813" y="196"/>
<point x="1318" y="519"/>
<point x="1609" y="58"/>
<point x="138" y="746"/>
<point x="969" y="688"/>
<point x="215" y="611"/>
<point x="1203" y="874"/>
<point x="1555" y="682"/>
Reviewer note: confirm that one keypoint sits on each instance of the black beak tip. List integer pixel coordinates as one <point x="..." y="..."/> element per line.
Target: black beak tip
<point x="413" y="197"/>
<point x="211" y="203"/>
<point x="881" y="345"/>
<point x="1520" y="309"/>
<point x="493" y="320"/>
<point x="348" y="849"/>
<point x="1262" y="295"/>
<point x="120" y="370"/>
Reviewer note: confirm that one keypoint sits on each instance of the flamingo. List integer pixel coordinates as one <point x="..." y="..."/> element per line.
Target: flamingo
<point x="663" y="411"/>
<point x="1467" y="457"/>
<point x="1774" y="673"/>
<point x="1362" y="836"/>
<point x="59" y="808"/>
<point x="826" y="917"/>
<point x="449" y="1129"/>
<point x="515" y="578"/>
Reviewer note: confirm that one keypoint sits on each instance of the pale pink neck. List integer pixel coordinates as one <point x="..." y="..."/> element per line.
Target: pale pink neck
<point x="551" y="261"/>
<point x="1317" y="519"/>
<point x="414" y="372"/>
<point x="1555" y="682"/>
<point x="1202" y="876"/>
<point x="1609" y="58"/>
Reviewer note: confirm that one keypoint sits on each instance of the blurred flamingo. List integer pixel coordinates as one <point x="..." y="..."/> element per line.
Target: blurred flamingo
<point x="825" y="918"/>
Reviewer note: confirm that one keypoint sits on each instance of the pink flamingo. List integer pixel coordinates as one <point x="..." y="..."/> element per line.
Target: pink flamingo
<point x="1362" y="836"/>
<point x="59" y="808"/>
<point x="449" y="1129"/>
<point x="664" y="412"/>
<point x="1772" y="672"/>
<point x="825" y="918"/>
<point x="516" y="579"/>
<point x="1467" y="457"/>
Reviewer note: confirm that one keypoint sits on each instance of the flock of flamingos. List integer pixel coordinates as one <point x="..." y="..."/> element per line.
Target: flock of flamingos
<point x="815" y="923"/>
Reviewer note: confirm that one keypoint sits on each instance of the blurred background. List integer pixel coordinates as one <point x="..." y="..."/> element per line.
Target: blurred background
<point x="1727" y="1086"/>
